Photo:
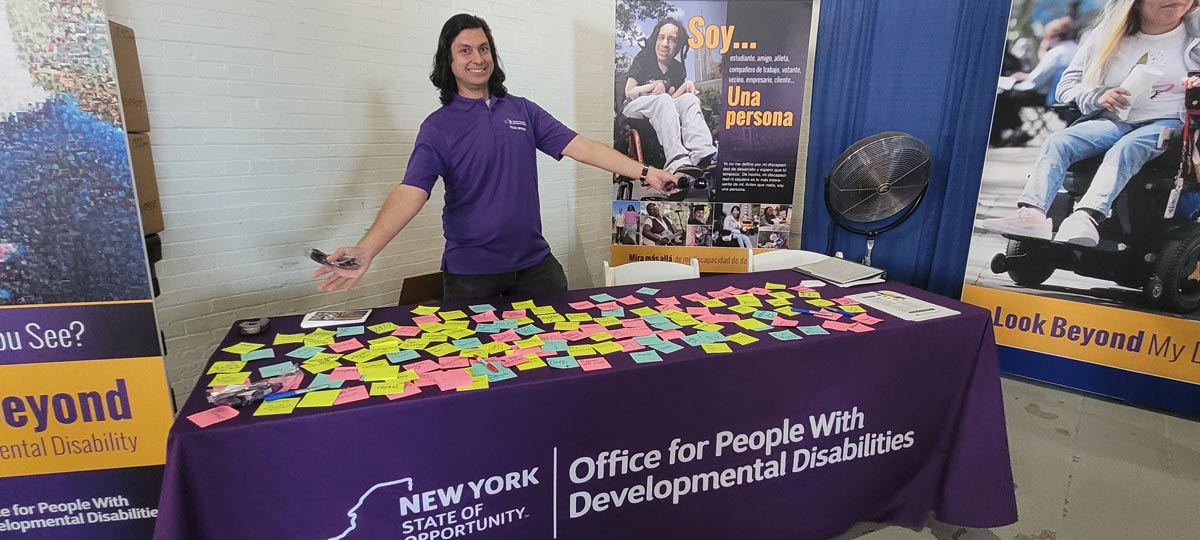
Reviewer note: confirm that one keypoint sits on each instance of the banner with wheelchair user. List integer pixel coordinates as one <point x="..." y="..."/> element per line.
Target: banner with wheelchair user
<point x="712" y="92"/>
<point x="1086" y="242"/>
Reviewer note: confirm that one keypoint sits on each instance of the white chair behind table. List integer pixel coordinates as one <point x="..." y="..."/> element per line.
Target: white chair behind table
<point x="781" y="259"/>
<point x="649" y="272"/>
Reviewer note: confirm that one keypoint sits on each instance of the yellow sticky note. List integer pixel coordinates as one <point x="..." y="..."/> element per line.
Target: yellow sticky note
<point x="233" y="366"/>
<point x="608" y="347"/>
<point x="387" y="387"/>
<point x="414" y="344"/>
<point x="361" y="355"/>
<point x="281" y="339"/>
<point x="242" y="348"/>
<point x="319" y="398"/>
<point x="379" y="373"/>
<point x="809" y="294"/>
<point x="385" y="349"/>
<point x="319" y="366"/>
<point x="383" y="328"/>
<point x="566" y="325"/>
<point x="478" y="382"/>
<point x="527" y="304"/>
<point x="437" y="337"/>
<point x="775" y="286"/>
<point x="608" y="321"/>
<point x="748" y="300"/>
<point x="452" y="315"/>
<point x="224" y="379"/>
<point x="709" y="327"/>
<point x="853" y="309"/>
<point x="385" y="341"/>
<point x="601" y="336"/>
<point x="472" y="353"/>
<point x="542" y="310"/>
<point x="786" y="311"/>
<point x="532" y="364"/>
<point x="457" y="325"/>
<point x="742" y="309"/>
<point x="551" y="318"/>
<point x="279" y="406"/>
<point x="371" y="364"/>
<point x="752" y="324"/>
<point x="742" y="338"/>
<point x="321" y="332"/>
<point x="442" y="349"/>
<point x="460" y="333"/>
<point x="425" y="310"/>
<point x="493" y="347"/>
<point x="535" y="341"/>
<point x="581" y="350"/>
<point x="318" y="341"/>
<point x="821" y="302"/>
<point x="524" y="321"/>
<point x="644" y="311"/>
<point x="716" y="348"/>
<point x="407" y="375"/>
<point x="782" y="294"/>
<point x="578" y="317"/>
<point x="779" y="302"/>
<point x="431" y="326"/>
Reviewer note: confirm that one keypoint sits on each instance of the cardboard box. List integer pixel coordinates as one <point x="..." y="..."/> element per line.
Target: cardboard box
<point x="146" y="183"/>
<point x="129" y="79"/>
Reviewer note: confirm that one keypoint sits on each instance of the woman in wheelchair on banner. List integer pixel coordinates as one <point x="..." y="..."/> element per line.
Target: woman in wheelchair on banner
<point x="658" y="90"/>
<point x="1162" y="34"/>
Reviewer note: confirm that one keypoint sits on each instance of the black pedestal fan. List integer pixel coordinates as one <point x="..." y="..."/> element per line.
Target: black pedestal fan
<point x="876" y="184"/>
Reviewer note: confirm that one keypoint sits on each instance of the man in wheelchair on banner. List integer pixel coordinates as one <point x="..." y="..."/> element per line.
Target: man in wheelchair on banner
<point x="1150" y="39"/>
<point x="658" y="92"/>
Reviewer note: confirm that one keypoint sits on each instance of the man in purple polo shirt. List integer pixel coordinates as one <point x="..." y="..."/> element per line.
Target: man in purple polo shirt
<point x="482" y="143"/>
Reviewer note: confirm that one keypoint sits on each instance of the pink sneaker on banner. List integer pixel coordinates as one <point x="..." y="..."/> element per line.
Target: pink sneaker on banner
<point x="1078" y="229"/>
<point x="1027" y="222"/>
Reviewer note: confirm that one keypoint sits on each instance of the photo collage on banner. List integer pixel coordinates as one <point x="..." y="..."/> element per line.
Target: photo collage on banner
<point x="84" y="403"/>
<point x="1122" y="291"/>
<point x="712" y="92"/>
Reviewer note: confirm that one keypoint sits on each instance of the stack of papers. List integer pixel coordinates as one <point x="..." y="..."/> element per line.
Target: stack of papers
<point x="842" y="272"/>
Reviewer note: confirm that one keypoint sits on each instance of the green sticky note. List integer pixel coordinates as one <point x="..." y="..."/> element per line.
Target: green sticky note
<point x="526" y="304"/>
<point x="242" y="348"/>
<point x="383" y="328"/>
<point x="483" y="308"/>
<point x="283" y="339"/>
<point x="232" y="366"/>
<point x="647" y="290"/>
<point x="319" y="398"/>
<point x="716" y="348"/>
<point x="425" y="310"/>
<point x="607" y="347"/>
<point x="259" y="354"/>
<point x="225" y="379"/>
<point x="279" y="406"/>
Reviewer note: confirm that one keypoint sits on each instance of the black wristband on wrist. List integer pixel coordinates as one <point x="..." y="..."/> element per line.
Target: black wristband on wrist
<point x="645" y="171"/>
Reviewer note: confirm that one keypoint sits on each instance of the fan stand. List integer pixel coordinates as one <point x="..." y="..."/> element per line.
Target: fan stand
<point x="871" y="234"/>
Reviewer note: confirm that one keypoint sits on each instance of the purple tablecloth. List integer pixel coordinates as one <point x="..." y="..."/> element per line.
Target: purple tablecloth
<point x="512" y="461"/>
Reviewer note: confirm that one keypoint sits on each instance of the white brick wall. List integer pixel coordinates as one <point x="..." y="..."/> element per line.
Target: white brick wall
<point x="278" y="124"/>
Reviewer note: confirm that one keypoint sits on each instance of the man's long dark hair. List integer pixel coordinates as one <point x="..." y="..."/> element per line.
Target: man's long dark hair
<point x="441" y="75"/>
<point x="647" y="54"/>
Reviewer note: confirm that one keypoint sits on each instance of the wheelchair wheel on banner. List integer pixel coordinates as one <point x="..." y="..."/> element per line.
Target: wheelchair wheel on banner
<point x="1025" y="266"/>
<point x="1175" y="284"/>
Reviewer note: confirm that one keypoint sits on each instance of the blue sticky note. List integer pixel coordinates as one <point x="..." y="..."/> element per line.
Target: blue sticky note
<point x="467" y="343"/>
<point x="786" y="335"/>
<point x="350" y="331"/>
<point x="259" y="354"/>
<point x="488" y="328"/>
<point x="645" y="340"/>
<point x="666" y="347"/>
<point x="506" y="324"/>
<point x="643" y="357"/>
<point x="619" y="312"/>
<point x="666" y="326"/>
<point x="657" y="318"/>
<point x="602" y="297"/>
<point x="529" y="330"/>
<point x="647" y="290"/>
<point x="483" y="308"/>
<point x="403" y="356"/>
<point x="502" y="373"/>
<point x="711" y="337"/>
<point x="694" y="340"/>
<point x="275" y="370"/>
<point x="554" y="345"/>
<point x="562" y="362"/>
<point x="305" y="353"/>
<point x="765" y="315"/>
<point x="481" y="369"/>
<point x="812" y="330"/>
<point x="322" y="381"/>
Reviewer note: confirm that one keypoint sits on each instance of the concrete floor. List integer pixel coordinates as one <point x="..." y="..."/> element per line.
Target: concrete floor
<point x="1087" y="469"/>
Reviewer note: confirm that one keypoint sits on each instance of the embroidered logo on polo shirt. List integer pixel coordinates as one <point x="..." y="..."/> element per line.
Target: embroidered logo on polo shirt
<point x="518" y="125"/>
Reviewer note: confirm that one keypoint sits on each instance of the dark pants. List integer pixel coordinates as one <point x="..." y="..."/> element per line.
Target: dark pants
<point x="546" y="277"/>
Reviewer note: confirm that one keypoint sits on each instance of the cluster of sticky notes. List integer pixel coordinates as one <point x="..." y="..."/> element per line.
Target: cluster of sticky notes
<point x="484" y="344"/>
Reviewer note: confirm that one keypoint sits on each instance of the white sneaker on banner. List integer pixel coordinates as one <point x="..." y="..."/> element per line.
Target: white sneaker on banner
<point x="1028" y="222"/>
<point x="1078" y="229"/>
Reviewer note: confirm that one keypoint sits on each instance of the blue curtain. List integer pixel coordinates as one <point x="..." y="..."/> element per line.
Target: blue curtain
<point x="925" y="67"/>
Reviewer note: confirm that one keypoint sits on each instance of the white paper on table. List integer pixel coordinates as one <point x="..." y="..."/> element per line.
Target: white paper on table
<point x="1138" y="83"/>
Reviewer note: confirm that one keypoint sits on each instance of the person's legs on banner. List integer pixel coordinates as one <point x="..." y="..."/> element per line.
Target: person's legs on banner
<point x="659" y="109"/>
<point x="697" y="137"/>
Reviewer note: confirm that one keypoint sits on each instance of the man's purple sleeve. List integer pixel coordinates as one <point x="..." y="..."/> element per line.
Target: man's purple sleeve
<point x="425" y="164"/>
<point x="551" y="135"/>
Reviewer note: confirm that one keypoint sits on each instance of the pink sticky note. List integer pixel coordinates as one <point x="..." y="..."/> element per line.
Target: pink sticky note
<point x="551" y="335"/>
<point x="670" y="334"/>
<point x="213" y="416"/>
<point x="865" y="319"/>
<point x="411" y="388"/>
<point x="582" y="305"/>
<point x="630" y="300"/>
<point x="638" y="332"/>
<point x="406" y="331"/>
<point x="449" y="380"/>
<point x="631" y="323"/>
<point x="667" y="300"/>
<point x="720" y="295"/>
<point x="839" y="326"/>
<point x="800" y="288"/>
<point x="698" y="310"/>
<point x="452" y="362"/>
<point x="531" y="350"/>
<point x="726" y="318"/>
<point x="349" y="373"/>
<point x="630" y="345"/>
<point x="505" y="337"/>
<point x="423" y="366"/>
<point x="514" y="314"/>
<point x="780" y="321"/>
<point x="574" y="335"/>
<point x="592" y="364"/>
<point x="512" y="360"/>
<point x="487" y="316"/>
<point x="425" y="379"/>
<point x="845" y="301"/>
<point x="346" y="345"/>
<point x="860" y="327"/>
<point x="424" y="319"/>
<point x="292" y="382"/>
<point x="826" y="314"/>
<point x="592" y="328"/>
<point x="608" y="306"/>
<point x="351" y="394"/>
<point x="759" y="291"/>
<point x="695" y="297"/>
<point x="620" y="334"/>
